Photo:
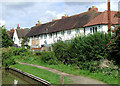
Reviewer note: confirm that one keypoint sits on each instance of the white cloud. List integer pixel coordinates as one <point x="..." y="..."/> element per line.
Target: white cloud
<point x="2" y="22"/>
<point x="55" y="14"/>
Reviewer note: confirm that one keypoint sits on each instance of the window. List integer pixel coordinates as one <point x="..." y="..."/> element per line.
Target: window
<point x="33" y="38"/>
<point x="55" y="34"/>
<point x="41" y="36"/>
<point x="14" y="39"/>
<point x="45" y="36"/>
<point x="95" y="29"/>
<point x="50" y="35"/>
<point x="36" y="37"/>
<point x="78" y="31"/>
<point x="90" y="30"/>
<point x="69" y="32"/>
<point x="62" y="32"/>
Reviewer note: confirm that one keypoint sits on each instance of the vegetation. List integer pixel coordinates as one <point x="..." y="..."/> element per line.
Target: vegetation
<point x="5" y="39"/>
<point x="24" y="42"/>
<point x="80" y="56"/>
<point x="8" y="55"/>
<point x="46" y="75"/>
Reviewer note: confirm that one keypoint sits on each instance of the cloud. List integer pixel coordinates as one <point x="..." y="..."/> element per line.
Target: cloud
<point x="2" y="22"/>
<point x="55" y="14"/>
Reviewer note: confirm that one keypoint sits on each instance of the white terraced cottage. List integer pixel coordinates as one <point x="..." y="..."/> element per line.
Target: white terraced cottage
<point x="70" y="26"/>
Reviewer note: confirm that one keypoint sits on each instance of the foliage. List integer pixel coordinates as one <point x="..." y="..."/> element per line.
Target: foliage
<point x="49" y="57"/>
<point x="7" y="57"/>
<point x="18" y="51"/>
<point x="25" y="41"/>
<point x="6" y="40"/>
<point x="85" y="52"/>
<point x="113" y="46"/>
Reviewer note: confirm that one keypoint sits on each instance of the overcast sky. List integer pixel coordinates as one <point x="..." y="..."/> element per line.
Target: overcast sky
<point x="26" y="14"/>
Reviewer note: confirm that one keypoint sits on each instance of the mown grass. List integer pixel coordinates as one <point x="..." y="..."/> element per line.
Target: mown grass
<point x="41" y="73"/>
<point x="71" y="69"/>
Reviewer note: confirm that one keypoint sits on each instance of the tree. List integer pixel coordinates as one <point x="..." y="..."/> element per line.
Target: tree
<point x="25" y="41"/>
<point x="114" y="46"/>
<point x="5" y="39"/>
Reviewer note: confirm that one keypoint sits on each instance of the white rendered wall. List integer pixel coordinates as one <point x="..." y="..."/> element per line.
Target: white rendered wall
<point x="16" y="41"/>
<point x="100" y="28"/>
<point x="54" y="38"/>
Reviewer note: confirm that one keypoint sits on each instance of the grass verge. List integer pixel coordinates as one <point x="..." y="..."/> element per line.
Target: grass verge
<point x="44" y="74"/>
<point x="70" y="69"/>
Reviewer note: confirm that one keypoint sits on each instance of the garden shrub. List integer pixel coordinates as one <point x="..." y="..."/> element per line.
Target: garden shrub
<point x="17" y="51"/>
<point x="85" y="52"/>
<point x="7" y="57"/>
<point x="48" y="57"/>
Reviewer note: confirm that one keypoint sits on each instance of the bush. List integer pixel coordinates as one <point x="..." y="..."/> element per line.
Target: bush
<point x="85" y="52"/>
<point x="7" y="57"/>
<point x="18" y="51"/>
<point x="48" y="57"/>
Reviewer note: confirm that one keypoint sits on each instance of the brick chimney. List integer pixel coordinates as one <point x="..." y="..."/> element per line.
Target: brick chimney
<point x="109" y="16"/>
<point x="65" y="16"/>
<point x="38" y="23"/>
<point x="18" y="26"/>
<point x="12" y="30"/>
<point x="93" y="8"/>
<point x="54" y="19"/>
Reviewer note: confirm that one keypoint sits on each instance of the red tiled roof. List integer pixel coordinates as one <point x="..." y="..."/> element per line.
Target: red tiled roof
<point x="103" y="19"/>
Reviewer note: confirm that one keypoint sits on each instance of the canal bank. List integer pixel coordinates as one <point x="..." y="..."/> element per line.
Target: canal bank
<point x="15" y="76"/>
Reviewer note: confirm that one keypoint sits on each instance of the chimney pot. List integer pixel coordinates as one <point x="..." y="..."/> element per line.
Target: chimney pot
<point x="65" y="16"/>
<point x="18" y="26"/>
<point x="93" y="8"/>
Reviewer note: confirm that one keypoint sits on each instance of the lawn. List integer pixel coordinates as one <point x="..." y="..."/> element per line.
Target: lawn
<point x="107" y="78"/>
<point x="46" y="75"/>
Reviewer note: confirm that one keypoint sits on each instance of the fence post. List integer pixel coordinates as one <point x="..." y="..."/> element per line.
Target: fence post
<point x="61" y="79"/>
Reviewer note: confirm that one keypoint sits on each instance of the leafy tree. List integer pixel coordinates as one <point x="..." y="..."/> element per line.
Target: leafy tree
<point x="5" y="39"/>
<point x="25" y="40"/>
<point x="114" y="46"/>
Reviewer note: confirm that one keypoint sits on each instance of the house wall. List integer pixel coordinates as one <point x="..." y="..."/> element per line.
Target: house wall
<point x="16" y="39"/>
<point x="52" y="39"/>
<point x="35" y="41"/>
<point x="100" y="28"/>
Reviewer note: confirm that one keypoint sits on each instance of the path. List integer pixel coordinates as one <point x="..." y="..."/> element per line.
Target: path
<point x="75" y="79"/>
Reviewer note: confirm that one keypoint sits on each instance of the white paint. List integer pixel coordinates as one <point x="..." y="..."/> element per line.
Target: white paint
<point x="100" y="28"/>
<point x="16" y="39"/>
<point x="54" y="38"/>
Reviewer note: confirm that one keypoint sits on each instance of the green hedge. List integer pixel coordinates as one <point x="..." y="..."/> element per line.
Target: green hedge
<point x="85" y="52"/>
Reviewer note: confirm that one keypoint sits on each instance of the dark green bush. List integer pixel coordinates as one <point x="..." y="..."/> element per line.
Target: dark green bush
<point x="85" y="52"/>
<point x="18" y="51"/>
<point x="48" y="57"/>
<point x="7" y="57"/>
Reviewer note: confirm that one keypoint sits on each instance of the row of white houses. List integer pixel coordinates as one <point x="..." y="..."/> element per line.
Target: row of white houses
<point x="66" y="28"/>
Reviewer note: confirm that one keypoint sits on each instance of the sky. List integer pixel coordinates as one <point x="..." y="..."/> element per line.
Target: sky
<point x="26" y="13"/>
